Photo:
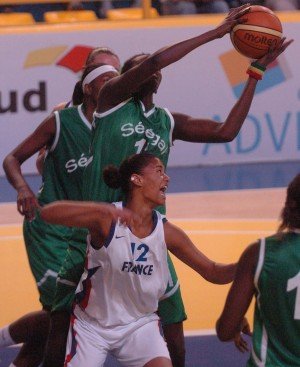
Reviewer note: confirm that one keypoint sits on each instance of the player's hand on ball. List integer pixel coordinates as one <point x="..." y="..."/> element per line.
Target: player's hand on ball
<point x="274" y="52"/>
<point x="232" y="19"/>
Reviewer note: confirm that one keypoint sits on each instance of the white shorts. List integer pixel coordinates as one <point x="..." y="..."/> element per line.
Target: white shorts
<point x="132" y="345"/>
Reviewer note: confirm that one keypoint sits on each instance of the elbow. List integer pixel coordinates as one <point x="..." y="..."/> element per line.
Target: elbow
<point x="227" y="136"/>
<point x="6" y="161"/>
<point x="47" y="212"/>
<point x="44" y="213"/>
<point x="221" y="273"/>
<point x="223" y="336"/>
<point x="9" y="161"/>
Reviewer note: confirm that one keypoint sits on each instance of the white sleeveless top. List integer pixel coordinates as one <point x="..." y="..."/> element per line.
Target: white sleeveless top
<point x="124" y="280"/>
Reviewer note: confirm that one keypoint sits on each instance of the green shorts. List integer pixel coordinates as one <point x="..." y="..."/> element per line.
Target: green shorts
<point x="46" y="247"/>
<point x="171" y="308"/>
<point x="70" y="273"/>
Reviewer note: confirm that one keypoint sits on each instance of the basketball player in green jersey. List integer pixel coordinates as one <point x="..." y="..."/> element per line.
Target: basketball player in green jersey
<point x="127" y="122"/>
<point x="67" y="136"/>
<point x="269" y="270"/>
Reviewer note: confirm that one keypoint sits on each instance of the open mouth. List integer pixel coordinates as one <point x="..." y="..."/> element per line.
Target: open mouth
<point x="163" y="190"/>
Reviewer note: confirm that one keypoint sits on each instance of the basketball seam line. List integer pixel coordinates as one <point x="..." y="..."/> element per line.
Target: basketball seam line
<point x="257" y="29"/>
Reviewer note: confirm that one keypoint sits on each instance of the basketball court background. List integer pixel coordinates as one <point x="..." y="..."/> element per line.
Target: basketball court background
<point x="222" y="208"/>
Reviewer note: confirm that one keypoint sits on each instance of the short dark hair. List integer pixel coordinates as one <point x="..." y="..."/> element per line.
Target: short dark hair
<point x="290" y="215"/>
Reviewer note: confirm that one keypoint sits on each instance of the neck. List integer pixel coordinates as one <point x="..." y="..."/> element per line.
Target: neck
<point x="147" y="102"/>
<point x="143" y="210"/>
<point x="88" y="110"/>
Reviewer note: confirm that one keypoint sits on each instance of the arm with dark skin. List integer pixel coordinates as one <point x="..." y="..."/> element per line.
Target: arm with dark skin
<point x="183" y="248"/>
<point x="200" y="130"/>
<point x="232" y="320"/>
<point x="41" y="137"/>
<point x="42" y="153"/>
<point x="97" y="217"/>
<point x="122" y="87"/>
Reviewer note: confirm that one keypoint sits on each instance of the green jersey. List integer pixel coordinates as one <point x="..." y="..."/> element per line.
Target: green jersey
<point x="47" y="244"/>
<point x="67" y="157"/>
<point x="120" y="132"/>
<point x="276" y="338"/>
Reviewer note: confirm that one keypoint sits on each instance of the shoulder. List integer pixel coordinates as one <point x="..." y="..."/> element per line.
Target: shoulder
<point x="249" y="257"/>
<point x="173" y="234"/>
<point x="60" y="106"/>
<point x="119" y="108"/>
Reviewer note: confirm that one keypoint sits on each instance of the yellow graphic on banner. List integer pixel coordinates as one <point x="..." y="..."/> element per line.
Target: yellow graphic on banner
<point x="235" y="66"/>
<point x="43" y="56"/>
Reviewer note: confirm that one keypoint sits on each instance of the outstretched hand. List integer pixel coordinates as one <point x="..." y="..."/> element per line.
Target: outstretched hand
<point x="274" y="52"/>
<point x="238" y="339"/>
<point x="27" y="203"/>
<point x="233" y="18"/>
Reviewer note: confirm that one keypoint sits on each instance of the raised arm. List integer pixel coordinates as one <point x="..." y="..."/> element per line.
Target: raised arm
<point x="97" y="217"/>
<point x="182" y="247"/>
<point x="41" y="137"/>
<point x="240" y="295"/>
<point x="122" y="87"/>
<point x="203" y="130"/>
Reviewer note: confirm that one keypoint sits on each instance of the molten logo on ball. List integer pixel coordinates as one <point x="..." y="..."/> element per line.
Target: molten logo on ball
<point x="263" y="40"/>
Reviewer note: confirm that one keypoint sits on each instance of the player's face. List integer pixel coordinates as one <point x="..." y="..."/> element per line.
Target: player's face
<point x="155" y="182"/>
<point x="99" y="82"/>
<point x="152" y="84"/>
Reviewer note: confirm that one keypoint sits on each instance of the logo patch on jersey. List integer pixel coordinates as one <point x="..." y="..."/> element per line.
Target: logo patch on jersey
<point x="148" y="137"/>
<point x="140" y="254"/>
<point x="139" y="269"/>
<point x="72" y="164"/>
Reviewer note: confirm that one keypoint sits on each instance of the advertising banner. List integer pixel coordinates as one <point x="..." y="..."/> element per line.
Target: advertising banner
<point x="39" y="70"/>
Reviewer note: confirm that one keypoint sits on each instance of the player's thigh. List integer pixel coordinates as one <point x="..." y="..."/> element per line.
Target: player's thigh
<point x="84" y="346"/>
<point x="142" y="345"/>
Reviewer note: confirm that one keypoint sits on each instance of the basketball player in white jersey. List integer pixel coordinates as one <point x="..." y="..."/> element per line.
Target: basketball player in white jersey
<point x="126" y="271"/>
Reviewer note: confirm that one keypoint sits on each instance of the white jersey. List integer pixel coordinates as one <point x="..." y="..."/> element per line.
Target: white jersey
<point x="124" y="280"/>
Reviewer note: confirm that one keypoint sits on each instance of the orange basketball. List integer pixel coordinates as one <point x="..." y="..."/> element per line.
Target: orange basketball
<point x="261" y="30"/>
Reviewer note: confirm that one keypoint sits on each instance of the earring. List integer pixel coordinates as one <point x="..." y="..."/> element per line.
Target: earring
<point x="131" y="178"/>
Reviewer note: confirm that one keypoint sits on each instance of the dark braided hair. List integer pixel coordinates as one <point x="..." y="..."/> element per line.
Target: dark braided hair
<point x="290" y="214"/>
<point x="121" y="177"/>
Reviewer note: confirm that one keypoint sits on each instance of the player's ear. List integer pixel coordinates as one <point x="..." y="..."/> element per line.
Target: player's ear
<point x="87" y="89"/>
<point x="136" y="179"/>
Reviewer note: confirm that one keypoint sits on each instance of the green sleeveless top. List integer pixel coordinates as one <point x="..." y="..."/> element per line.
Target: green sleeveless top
<point x="120" y="132"/>
<point x="276" y="337"/>
<point x="67" y="157"/>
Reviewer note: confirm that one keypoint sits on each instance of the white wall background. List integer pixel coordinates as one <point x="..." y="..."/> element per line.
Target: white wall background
<point x="196" y="85"/>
